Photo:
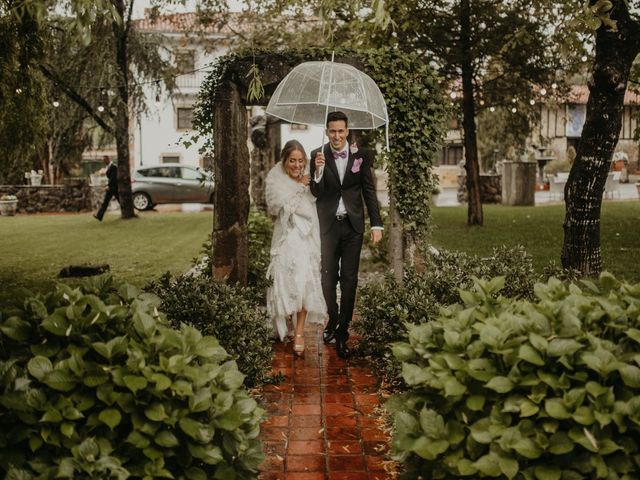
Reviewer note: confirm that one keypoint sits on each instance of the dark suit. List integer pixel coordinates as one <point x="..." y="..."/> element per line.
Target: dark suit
<point x="341" y="241"/>
<point x="112" y="190"/>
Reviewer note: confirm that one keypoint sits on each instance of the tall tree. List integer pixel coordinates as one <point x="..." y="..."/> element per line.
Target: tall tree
<point x="101" y="37"/>
<point x="23" y="116"/>
<point x="617" y="44"/>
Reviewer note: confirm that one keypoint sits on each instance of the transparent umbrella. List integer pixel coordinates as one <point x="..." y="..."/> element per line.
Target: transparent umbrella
<point x="313" y="89"/>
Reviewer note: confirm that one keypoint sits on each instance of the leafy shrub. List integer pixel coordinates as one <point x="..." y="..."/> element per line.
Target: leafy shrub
<point x="511" y="388"/>
<point x="96" y="384"/>
<point x="227" y="312"/>
<point x="384" y="308"/>
<point x="260" y="233"/>
<point x="378" y="253"/>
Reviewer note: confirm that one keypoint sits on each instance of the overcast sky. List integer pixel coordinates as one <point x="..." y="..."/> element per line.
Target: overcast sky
<point x="140" y="5"/>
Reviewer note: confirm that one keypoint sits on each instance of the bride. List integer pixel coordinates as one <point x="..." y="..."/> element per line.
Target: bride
<point x="296" y="290"/>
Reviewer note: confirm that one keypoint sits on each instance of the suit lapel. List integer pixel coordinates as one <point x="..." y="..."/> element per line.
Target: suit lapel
<point x="349" y="165"/>
<point x="330" y="161"/>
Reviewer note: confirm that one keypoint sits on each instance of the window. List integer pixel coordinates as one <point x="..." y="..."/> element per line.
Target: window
<point x="451" y="154"/>
<point x="298" y="126"/>
<point x="163" y="172"/>
<point x="185" y="61"/>
<point x="191" y="174"/>
<point x="575" y="121"/>
<point x="170" y="158"/>
<point x="185" y="118"/>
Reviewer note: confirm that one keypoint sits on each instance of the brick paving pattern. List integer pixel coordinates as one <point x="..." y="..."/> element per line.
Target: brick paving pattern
<point x="324" y="418"/>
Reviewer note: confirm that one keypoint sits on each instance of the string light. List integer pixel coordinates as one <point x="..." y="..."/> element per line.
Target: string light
<point x="554" y="85"/>
<point x="514" y="100"/>
<point x="18" y="91"/>
<point x="514" y="110"/>
<point x="453" y="95"/>
<point x="100" y="108"/>
<point x="532" y="102"/>
<point x="583" y="58"/>
<point x="481" y="103"/>
<point x="56" y="103"/>
<point x="543" y="91"/>
<point x="492" y="109"/>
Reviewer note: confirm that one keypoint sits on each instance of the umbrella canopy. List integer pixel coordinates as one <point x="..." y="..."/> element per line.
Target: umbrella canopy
<point x="312" y="89"/>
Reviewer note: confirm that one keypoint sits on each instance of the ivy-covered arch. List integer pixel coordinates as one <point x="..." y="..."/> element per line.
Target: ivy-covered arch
<point x="417" y="116"/>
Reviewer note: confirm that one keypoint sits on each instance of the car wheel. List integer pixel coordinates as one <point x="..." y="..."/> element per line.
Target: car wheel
<point x="141" y="201"/>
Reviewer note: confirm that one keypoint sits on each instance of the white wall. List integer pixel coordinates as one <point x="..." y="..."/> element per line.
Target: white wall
<point x="156" y="134"/>
<point x="311" y="138"/>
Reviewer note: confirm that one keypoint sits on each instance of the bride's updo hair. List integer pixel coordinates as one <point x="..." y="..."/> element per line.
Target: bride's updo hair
<point x="292" y="146"/>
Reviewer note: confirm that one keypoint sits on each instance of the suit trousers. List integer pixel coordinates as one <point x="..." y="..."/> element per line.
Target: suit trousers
<point x="341" y="246"/>
<point x="108" y="195"/>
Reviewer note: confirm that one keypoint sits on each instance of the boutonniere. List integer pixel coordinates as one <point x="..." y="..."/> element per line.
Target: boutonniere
<point x="357" y="162"/>
<point x="353" y="148"/>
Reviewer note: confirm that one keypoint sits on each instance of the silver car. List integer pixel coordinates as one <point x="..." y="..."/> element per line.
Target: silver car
<point x="170" y="183"/>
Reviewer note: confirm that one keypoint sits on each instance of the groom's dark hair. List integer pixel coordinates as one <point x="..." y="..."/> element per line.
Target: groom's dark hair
<point x="336" y="116"/>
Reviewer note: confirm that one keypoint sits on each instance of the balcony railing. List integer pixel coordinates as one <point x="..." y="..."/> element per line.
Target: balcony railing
<point x="190" y="80"/>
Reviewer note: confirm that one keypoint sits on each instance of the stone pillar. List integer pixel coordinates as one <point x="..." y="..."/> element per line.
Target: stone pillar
<point x="518" y="183"/>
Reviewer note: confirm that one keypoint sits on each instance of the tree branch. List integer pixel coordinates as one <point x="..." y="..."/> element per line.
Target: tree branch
<point x="129" y="15"/>
<point x="76" y="97"/>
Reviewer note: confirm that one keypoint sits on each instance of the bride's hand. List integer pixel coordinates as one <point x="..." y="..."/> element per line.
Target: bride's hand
<point x="305" y="180"/>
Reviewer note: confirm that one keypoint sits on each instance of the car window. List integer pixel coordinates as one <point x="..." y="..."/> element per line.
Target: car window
<point x="191" y="174"/>
<point x="171" y="172"/>
<point x="162" y="172"/>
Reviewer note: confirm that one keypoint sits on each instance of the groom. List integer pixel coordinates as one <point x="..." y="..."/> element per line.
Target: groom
<point x="342" y="178"/>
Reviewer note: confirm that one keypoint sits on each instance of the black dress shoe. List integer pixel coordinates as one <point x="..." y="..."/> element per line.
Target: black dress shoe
<point x="329" y="335"/>
<point x="97" y="217"/>
<point x="342" y="349"/>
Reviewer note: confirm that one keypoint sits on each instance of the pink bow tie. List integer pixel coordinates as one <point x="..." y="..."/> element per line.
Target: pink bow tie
<point x="342" y="154"/>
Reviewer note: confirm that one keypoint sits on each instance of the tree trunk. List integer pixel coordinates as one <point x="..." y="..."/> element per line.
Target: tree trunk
<point x="396" y="240"/>
<point x="615" y="52"/>
<point x="122" y="115"/>
<point x="474" y="209"/>
<point x="231" y="171"/>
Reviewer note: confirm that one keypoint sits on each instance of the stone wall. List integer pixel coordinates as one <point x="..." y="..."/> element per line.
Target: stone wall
<point x="75" y="195"/>
<point x="490" y="188"/>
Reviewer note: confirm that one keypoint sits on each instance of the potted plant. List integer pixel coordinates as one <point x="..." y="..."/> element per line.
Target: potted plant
<point x="8" y="205"/>
<point x="35" y="178"/>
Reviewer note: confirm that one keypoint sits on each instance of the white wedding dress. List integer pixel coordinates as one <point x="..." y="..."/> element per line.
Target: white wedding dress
<point x="295" y="253"/>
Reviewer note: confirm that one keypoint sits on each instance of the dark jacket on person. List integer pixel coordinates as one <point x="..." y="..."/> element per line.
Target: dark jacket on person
<point x="112" y="177"/>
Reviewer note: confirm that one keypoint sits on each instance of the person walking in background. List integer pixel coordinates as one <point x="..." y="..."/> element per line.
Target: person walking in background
<point x="111" y="171"/>
<point x="295" y="294"/>
<point x="341" y="179"/>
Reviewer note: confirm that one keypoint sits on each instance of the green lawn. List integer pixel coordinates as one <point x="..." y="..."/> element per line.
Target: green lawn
<point x="539" y="230"/>
<point x="36" y="247"/>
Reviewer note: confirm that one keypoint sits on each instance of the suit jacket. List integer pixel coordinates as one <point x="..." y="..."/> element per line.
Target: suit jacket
<point x="112" y="177"/>
<point x="357" y="189"/>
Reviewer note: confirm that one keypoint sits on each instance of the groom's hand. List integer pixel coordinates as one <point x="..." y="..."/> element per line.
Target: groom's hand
<point x="319" y="160"/>
<point x="376" y="235"/>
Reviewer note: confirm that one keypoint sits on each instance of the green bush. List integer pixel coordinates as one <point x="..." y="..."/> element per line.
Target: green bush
<point x="96" y="384"/>
<point x="546" y="389"/>
<point x="260" y="233"/>
<point x="384" y="308"/>
<point x="227" y="312"/>
<point x="378" y="255"/>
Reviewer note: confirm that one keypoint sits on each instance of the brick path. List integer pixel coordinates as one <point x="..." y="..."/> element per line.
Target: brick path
<point x="324" y="418"/>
